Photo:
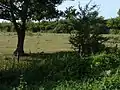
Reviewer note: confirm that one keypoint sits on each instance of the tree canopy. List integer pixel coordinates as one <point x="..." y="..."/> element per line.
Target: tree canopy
<point x="24" y="10"/>
<point x="32" y="9"/>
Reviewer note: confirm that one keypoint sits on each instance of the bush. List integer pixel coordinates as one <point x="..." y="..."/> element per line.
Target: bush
<point x="56" y="70"/>
<point x="6" y="27"/>
<point x="104" y="62"/>
<point x="114" y="31"/>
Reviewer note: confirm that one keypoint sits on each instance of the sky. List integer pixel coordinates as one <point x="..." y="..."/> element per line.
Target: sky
<point x="108" y="8"/>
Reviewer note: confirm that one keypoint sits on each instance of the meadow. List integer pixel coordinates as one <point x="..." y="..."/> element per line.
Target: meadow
<point x="45" y="42"/>
<point x="35" y="42"/>
<point x="53" y="65"/>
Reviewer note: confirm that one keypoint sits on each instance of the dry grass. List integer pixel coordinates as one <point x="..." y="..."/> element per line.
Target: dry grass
<point x="35" y="42"/>
<point x="44" y="42"/>
<point x="113" y="40"/>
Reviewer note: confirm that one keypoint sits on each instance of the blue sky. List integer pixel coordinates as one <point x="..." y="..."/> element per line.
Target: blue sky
<point x="108" y="8"/>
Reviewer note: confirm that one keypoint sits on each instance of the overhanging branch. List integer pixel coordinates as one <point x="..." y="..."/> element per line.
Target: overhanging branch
<point x="3" y="6"/>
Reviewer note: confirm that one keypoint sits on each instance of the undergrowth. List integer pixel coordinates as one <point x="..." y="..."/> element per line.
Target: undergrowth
<point x="60" y="71"/>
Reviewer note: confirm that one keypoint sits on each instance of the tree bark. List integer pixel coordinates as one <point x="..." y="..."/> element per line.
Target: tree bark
<point x="20" y="44"/>
<point x="20" y="27"/>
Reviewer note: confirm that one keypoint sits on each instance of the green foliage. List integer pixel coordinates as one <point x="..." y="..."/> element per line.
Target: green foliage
<point x="6" y="27"/>
<point x="86" y="22"/>
<point x="24" y="9"/>
<point x="114" y="23"/>
<point x="59" y="71"/>
<point x="114" y="31"/>
<point x="70" y="12"/>
<point x="107" y="83"/>
<point x="104" y="63"/>
<point x="63" y="26"/>
<point x="22" y="84"/>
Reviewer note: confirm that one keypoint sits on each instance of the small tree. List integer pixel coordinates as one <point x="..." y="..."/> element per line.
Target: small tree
<point x="87" y="24"/>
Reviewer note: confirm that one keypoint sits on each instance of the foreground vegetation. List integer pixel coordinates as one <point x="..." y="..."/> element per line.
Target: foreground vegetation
<point x="57" y="68"/>
<point x="60" y="71"/>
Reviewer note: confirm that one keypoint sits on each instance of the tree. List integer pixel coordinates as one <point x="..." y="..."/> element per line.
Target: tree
<point x="20" y="11"/>
<point x="114" y="23"/>
<point x="87" y="39"/>
<point x="118" y="12"/>
<point x="70" y="12"/>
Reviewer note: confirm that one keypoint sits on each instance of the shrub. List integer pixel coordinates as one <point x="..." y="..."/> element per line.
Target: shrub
<point x="87" y="40"/>
<point x="114" y="31"/>
<point x="104" y="62"/>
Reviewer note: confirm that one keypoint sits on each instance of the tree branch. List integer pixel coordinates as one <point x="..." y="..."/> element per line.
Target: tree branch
<point x="12" y="15"/>
<point x="4" y="6"/>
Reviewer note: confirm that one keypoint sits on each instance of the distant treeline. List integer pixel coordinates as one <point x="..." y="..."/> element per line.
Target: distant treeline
<point x="61" y="26"/>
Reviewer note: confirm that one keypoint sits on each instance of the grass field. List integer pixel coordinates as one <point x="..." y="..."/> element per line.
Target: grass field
<point x="35" y="43"/>
<point x="43" y="42"/>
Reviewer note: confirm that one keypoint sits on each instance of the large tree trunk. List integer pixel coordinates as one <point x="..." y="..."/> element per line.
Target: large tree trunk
<point x="20" y="27"/>
<point x="20" y="44"/>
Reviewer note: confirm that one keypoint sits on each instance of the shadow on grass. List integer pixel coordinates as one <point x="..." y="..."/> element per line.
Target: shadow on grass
<point x="43" y="55"/>
<point x="48" y="69"/>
